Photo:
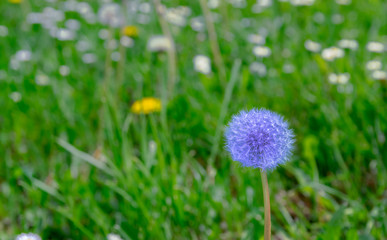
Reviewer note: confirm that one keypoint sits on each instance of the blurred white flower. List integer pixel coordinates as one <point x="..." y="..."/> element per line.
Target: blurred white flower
<point x="82" y="45"/>
<point x="312" y="46"/>
<point x="197" y="24"/>
<point x="116" y="56"/>
<point x="28" y="236"/>
<point x="341" y="78"/>
<point x="347" y="43"/>
<point x="212" y="4"/>
<point x="256" y="39"/>
<point x="238" y="3"/>
<point x="112" y="44"/>
<point x="302" y="2"/>
<point x="112" y="236"/>
<point x="16" y="97"/>
<point x="110" y="14"/>
<point x="42" y="79"/>
<point x="145" y="7"/>
<point x="337" y="18"/>
<point x="319" y="17"/>
<point x="73" y="24"/>
<point x="288" y="68"/>
<point x="23" y="55"/>
<point x="377" y="47"/>
<point x="258" y="68"/>
<point x="63" y="34"/>
<point x="177" y="16"/>
<point x="3" y="31"/>
<point x="89" y="58"/>
<point x="374" y="65"/>
<point x="202" y="64"/>
<point x="332" y="53"/>
<point x="261" y="51"/>
<point x="343" y="2"/>
<point x="159" y="43"/>
<point x="127" y="41"/>
<point x="103" y="34"/>
<point x="64" y="70"/>
<point x="379" y="75"/>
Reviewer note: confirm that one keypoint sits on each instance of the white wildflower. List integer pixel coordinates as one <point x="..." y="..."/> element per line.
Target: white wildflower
<point x="202" y="64"/>
<point x="64" y="70"/>
<point x="42" y="79"/>
<point x="332" y="53"/>
<point x="127" y="41"/>
<point x="112" y="236"/>
<point x="347" y="43"/>
<point x="3" y="31"/>
<point x="374" y="65"/>
<point x="15" y="96"/>
<point x="341" y="78"/>
<point x="343" y="2"/>
<point x="23" y="55"/>
<point x="379" y="75"/>
<point x="302" y="2"/>
<point x="110" y="14"/>
<point x="89" y="58"/>
<point x="261" y="51"/>
<point x="312" y="46"/>
<point x="377" y="47"/>
<point x="159" y="43"/>
<point x="27" y="236"/>
<point x="258" y="68"/>
<point x="256" y="39"/>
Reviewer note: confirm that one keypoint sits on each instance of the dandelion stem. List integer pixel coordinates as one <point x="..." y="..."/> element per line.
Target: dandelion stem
<point x="213" y="41"/>
<point x="266" y="200"/>
<point x="172" y="62"/>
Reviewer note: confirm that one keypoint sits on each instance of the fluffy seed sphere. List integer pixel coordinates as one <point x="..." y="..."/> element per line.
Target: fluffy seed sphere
<point x="259" y="138"/>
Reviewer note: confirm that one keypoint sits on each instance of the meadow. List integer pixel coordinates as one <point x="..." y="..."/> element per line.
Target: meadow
<point x="79" y="159"/>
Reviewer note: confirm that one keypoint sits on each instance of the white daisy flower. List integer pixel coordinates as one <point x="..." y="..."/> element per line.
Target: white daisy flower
<point x="258" y="68"/>
<point x="374" y="65"/>
<point x="379" y="75"/>
<point x="341" y="78"/>
<point x="113" y="236"/>
<point x="348" y="43"/>
<point x="159" y="43"/>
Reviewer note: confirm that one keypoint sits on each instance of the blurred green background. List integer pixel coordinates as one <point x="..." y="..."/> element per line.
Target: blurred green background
<point x="77" y="163"/>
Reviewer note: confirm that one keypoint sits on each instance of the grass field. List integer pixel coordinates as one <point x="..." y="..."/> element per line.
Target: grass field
<point x="77" y="162"/>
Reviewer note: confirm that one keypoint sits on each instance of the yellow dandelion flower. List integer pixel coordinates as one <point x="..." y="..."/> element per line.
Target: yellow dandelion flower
<point x="146" y="105"/>
<point x="15" y="1"/>
<point x="130" y="31"/>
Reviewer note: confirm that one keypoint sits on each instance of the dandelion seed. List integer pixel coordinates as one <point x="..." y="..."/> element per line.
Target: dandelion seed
<point x="130" y="31"/>
<point x="332" y="53"/>
<point x="376" y="47"/>
<point x="202" y="64"/>
<point x="3" y="31"/>
<point x="347" y="43"/>
<point x="312" y="46"/>
<point x="64" y="70"/>
<point x="258" y="68"/>
<point x="259" y="138"/>
<point x="159" y="43"/>
<point x="341" y="78"/>
<point x="146" y="105"/>
<point x="379" y="75"/>
<point x="127" y="41"/>
<point x="15" y="96"/>
<point x="261" y="51"/>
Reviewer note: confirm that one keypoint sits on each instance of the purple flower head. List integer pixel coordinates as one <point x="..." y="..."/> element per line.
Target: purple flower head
<point x="259" y="138"/>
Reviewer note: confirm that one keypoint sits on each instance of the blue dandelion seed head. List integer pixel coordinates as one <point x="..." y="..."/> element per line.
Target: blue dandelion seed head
<point x="259" y="138"/>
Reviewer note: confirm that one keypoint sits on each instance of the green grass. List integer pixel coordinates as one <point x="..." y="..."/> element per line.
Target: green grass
<point x="77" y="164"/>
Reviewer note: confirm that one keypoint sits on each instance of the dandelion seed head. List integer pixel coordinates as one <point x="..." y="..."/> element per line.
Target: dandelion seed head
<point x="259" y="138"/>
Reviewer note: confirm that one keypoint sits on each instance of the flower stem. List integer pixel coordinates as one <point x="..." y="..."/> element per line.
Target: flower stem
<point x="266" y="200"/>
